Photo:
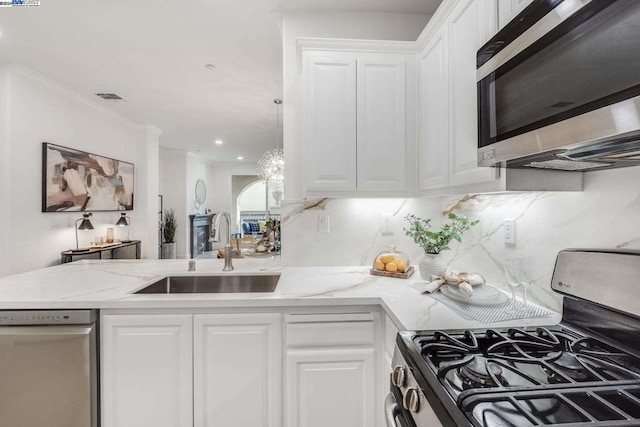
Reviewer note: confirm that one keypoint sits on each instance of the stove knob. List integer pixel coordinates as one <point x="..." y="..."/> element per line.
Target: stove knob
<point x="411" y="400"/>
<point x="399" y="376"/>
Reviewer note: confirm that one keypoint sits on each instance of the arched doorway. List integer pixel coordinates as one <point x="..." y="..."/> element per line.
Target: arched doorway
<point x="250" y="201"/>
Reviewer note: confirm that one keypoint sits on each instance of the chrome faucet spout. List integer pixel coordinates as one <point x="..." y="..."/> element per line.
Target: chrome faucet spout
<point x="228" y="264"/>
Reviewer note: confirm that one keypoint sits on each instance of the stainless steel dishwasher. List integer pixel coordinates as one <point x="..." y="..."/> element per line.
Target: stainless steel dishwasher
<point x="48" y="368"/>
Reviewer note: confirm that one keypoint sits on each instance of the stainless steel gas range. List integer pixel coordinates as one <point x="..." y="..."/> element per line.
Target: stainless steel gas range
<point x="584" y="371"/>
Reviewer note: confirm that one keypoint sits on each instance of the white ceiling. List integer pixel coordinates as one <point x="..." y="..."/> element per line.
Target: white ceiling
<point x="423" y="7"/>
<point x="153" y="54"/>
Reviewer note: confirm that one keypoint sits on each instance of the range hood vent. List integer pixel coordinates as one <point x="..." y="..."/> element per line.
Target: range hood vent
<point x="565" y="165"/>
<point x="615" y="152"/>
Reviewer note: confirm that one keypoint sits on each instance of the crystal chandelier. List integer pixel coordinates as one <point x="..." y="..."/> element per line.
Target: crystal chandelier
<point x="271" y="165"/>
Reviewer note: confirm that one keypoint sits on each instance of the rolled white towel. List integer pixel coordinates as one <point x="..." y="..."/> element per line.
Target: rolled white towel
<point x="464" y="281"/>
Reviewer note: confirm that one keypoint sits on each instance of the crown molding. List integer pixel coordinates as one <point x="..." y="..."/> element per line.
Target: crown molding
<point x="436" y="22"/>
<point x="313" y="44"/>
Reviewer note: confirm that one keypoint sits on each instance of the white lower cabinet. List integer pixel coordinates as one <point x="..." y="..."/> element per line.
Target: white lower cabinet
<point x="390" y="334"/>
<point x="237" y="370"/>
<point x="333" y="370"/>
<point x="147" y="371"/>
<point x="226" y="368"/>
<point x="203" y="370"/>
<point x="331" y="388"/>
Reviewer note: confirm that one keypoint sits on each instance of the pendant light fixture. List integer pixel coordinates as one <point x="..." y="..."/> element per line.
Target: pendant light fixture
<point x="271" y="165"/>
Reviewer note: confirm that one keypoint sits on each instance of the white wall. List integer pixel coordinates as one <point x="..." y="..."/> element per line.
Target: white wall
<point x="41" y="110"/>
<point x="4" y="171"/>
<point x="173" y="187"/>
<point x="349" y="25"/>
<point x="197" y="168"/>
<point x="148" y="177"/>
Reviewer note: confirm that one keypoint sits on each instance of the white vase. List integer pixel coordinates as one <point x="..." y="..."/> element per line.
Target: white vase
<point x="431" y="265"/>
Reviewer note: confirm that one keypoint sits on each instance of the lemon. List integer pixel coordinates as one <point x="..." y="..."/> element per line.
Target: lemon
<point x="387" y="258"/>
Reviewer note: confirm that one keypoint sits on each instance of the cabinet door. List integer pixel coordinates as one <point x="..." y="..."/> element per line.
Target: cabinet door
<point x="468" y="29"/>
<point x="330" y="123"/>
<point x="382" y="123"/>
<point x="331" y="388"/>
<point x="434" y="114"/>
<point x="237" y="370"/>
<point x="508" y="9"/>
<point x="147" y="370"/>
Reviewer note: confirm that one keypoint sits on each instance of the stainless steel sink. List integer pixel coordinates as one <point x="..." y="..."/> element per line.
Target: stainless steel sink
<point x="212" y="284"/>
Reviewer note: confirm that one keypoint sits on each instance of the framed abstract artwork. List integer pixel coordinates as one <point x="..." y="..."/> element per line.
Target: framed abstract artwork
<point x="73" y="180"/>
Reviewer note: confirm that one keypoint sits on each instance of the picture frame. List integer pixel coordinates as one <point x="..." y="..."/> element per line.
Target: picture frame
<point x="75" y="181"/>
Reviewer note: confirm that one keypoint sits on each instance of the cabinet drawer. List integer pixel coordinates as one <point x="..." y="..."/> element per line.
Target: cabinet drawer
<point x="320" y="330"/>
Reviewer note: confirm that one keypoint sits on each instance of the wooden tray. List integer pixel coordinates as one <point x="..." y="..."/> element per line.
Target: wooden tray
<point x="397" y="275"/>
<point x="103" y="245"/>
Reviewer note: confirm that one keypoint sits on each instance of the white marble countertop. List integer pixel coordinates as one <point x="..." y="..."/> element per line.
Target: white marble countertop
<point x="111" y="284"/>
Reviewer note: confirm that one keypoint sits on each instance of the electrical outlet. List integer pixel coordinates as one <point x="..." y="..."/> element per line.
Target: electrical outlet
<point x="509" y="231"/>
<point x="323" y="223"/>
<point x="385" y="223"/>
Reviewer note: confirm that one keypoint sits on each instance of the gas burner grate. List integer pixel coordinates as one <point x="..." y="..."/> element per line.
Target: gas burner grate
<point x="470" y="362"/>
<point x="599" y="406"/>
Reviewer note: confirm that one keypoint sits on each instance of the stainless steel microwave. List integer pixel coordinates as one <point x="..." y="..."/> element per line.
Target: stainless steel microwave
<point x="559" y="87"/>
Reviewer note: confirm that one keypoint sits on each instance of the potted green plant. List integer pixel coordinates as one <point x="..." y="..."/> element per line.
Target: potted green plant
<point x="434" y="242"/>
<point x="169" y="226"/>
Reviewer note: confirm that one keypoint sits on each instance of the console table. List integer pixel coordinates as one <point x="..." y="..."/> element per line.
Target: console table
<point x="123" y="250"/>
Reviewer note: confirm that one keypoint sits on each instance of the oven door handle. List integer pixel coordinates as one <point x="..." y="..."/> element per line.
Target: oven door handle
<point x="391" y="410"/>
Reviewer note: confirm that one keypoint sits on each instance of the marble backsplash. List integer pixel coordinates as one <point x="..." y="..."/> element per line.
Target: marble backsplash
<point x="605" y="215"/>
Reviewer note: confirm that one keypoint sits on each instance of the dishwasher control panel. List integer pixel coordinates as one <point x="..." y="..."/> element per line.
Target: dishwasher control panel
<point x="46" y="317"/>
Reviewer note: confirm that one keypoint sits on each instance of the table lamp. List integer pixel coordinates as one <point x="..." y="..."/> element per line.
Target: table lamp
<point x="125" y="221"/>
<point x="84" y="225"/>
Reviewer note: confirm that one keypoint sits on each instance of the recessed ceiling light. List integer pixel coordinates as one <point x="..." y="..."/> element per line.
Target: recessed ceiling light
<point x="218" y="142"/>
<point x="210" y="67"/>
<point x="240" y="158"/>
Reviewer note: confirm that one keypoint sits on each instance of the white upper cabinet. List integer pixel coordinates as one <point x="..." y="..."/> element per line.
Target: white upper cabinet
<point x="467" y="31"/>
<point x="330" y="122"/>
<point x="448" y="115"/>
<point x="434" y="117"/>
<point x="381" y="123"/>
<point x="357" y="122"/>
<point x="508" y="9"/>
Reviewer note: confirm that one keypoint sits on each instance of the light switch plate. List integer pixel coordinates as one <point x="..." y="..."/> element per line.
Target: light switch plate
<point x="385" y="223"/>
<point x="323" y="223"/>
<point x="509" y="231"/>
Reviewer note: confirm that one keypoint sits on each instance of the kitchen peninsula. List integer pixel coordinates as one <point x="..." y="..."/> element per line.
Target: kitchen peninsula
<point x="112" y="285"/>
<point x="322" y="329"/>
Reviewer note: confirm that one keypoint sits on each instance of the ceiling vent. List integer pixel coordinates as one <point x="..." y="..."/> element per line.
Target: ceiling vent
<point x="109" y="96"/>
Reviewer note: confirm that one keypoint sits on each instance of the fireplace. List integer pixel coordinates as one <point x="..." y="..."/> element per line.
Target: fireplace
<point x="200" y="227"/>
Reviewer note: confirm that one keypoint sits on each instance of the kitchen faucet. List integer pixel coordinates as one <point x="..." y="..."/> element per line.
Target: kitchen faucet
<point x="228" y="265"/>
